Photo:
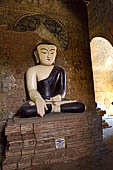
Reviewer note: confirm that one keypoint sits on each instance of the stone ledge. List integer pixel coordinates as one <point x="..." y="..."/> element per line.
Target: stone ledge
<point x="50" y="117"/>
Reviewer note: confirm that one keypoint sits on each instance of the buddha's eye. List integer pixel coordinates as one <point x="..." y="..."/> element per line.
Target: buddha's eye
<point x="52" y="53"/>
<point x="44" y="52"/>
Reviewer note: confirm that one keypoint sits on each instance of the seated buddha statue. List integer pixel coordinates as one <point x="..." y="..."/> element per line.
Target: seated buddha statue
<point x="46" y="85"/>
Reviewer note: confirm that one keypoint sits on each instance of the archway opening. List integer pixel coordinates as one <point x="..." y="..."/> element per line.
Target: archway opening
<point x="102" y="63"/>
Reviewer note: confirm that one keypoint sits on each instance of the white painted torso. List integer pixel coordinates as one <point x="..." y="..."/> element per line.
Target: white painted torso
<point x="43" y="72"/>
<point x="37" y="73"/>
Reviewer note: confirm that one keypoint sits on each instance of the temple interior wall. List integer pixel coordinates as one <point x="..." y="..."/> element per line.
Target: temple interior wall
<point x="64" y="23"/>
<point x="23" y="23"/>
<point x="100" y="18"/>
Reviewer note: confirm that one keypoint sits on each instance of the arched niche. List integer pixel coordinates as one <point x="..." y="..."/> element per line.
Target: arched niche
<point x="102" y="63"/>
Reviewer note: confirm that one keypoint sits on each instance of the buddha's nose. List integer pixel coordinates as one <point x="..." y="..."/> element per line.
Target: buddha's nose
<point x="48" y="54"/>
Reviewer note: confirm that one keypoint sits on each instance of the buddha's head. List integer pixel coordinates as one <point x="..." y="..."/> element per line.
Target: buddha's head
<point x="46" y="53"/>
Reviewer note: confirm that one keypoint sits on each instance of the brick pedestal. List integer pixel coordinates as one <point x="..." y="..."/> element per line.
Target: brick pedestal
<point x="32" y="141"/>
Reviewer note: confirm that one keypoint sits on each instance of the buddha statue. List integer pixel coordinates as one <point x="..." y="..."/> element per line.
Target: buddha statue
<point x="46" y="85"/>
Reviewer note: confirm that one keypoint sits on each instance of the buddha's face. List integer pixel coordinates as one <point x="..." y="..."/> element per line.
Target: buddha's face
<point x="47" y="54"/>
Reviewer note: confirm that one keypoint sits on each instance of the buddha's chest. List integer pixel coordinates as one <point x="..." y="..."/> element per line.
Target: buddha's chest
<point x="43" y="72"/>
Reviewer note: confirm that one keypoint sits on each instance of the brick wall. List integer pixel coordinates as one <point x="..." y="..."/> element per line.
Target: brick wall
<point x="32" y="141"/>
<point x="16" y="48"/>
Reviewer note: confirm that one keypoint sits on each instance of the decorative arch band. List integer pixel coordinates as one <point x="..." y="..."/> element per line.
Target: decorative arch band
<point x="33" y="22"/>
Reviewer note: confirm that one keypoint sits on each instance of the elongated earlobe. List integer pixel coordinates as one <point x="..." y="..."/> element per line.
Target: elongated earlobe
<point x="36" y="56"/>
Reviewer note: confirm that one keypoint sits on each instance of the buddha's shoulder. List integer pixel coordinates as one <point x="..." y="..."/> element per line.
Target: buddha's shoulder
<point x="33" y="68"/>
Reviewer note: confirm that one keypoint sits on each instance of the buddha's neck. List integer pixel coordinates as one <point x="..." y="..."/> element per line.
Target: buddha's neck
<point x="46" y="65"/>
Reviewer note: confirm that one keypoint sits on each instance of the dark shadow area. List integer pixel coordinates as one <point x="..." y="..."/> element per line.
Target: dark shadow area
<point x="3" y="146"/>
<point x="78" y="8"/>
<point x="25" y="87"/>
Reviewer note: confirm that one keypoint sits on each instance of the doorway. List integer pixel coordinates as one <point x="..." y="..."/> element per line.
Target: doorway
<point x="102" y="64"/>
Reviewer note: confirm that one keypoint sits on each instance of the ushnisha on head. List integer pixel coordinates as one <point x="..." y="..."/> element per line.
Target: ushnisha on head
<point x="45" y="53"/>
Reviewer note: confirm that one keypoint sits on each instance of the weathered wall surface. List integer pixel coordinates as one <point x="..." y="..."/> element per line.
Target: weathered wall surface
<point x="101" y="19"/>
<point x="22" y="25"/>
<point x="101" y="25"/>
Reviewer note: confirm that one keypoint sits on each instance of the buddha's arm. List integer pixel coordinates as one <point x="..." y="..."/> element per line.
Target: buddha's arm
<point x="34" y="95"/>
<point x="31" y="84"/>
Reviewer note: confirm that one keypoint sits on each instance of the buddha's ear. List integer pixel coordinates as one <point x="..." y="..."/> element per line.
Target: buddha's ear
<point x="36" y="56"/>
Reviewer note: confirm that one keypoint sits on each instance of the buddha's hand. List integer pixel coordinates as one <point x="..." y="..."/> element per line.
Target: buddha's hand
<point x="41" y="106"/>
<point x="56" y="98"/>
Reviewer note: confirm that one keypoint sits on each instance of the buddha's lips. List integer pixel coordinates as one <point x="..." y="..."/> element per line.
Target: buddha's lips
<point x="48" y="59"/>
